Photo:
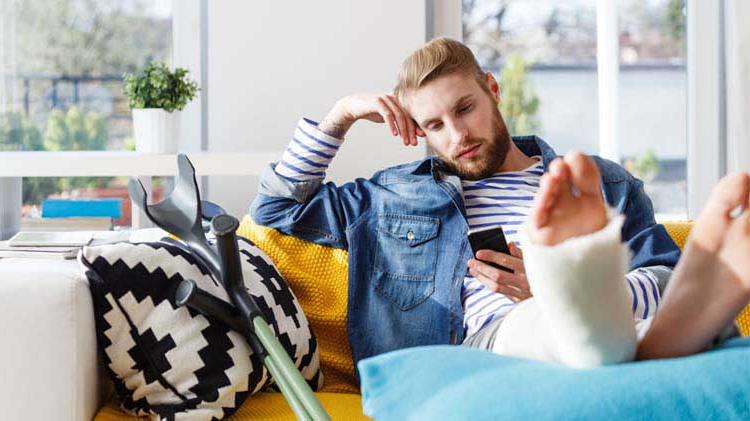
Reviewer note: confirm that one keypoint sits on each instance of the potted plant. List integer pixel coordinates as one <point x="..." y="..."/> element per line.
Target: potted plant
<point x="154" y="95"/>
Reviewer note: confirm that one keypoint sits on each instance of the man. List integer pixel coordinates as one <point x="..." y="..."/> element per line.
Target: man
<point x="413" y="279"/>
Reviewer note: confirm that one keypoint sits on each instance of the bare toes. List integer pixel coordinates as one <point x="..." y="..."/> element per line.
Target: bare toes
<point x="560" y="170"/>
<point x="584" y="173"/>
<point x="730" y="193"/>
<point x="735" y="249"/>
<point x="549" y="187"/>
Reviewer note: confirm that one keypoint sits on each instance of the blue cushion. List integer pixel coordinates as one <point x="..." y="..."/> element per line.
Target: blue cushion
<point x="461" y="383"/>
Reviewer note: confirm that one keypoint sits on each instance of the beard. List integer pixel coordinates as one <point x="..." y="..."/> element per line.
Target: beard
<point x="495" y="151"/>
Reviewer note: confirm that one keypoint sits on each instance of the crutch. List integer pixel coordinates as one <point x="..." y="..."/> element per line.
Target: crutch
<point x="180" y="215"/>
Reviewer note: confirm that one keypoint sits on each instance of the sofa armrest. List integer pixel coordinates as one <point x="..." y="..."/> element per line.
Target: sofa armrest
<point x="51" y="368"/>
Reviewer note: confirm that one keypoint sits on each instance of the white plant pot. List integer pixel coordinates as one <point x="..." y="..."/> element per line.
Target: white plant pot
<point x="156" y="131"/>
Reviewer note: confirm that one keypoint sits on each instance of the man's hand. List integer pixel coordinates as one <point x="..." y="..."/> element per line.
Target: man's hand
<point x="513" y="285"/>
<point x="379" y="108"/>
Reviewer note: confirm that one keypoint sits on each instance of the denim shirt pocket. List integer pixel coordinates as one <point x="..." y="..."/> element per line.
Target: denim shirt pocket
<point x="405" y="258"/>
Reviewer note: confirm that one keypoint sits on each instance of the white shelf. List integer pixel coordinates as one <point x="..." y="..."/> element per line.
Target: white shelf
<point x="110" y="164"/>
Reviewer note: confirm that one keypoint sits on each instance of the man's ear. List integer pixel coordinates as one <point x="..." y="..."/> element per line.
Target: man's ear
<point x="493" y="85"/>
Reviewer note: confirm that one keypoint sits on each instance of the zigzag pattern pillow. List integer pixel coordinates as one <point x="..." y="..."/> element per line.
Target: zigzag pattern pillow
<point x="172" y="362"/>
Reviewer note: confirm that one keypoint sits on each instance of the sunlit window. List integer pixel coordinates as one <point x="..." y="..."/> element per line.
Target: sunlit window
<point x="62" y="63"/>
<point x="544" y="54"/>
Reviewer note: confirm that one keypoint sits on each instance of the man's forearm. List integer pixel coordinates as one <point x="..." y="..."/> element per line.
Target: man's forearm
<point x="334" y="127"/>
<point x="336" y="123"/>
<point x="309" y="153"/>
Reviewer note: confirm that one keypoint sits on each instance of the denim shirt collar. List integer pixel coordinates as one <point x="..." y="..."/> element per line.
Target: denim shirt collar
<point x="533" y="145"/>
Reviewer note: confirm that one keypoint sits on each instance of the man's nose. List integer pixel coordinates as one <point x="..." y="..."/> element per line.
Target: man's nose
<point x="458" y="132"/>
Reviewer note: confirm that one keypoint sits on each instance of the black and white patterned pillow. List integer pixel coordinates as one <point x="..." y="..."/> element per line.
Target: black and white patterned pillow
<point x="168" y="361"/>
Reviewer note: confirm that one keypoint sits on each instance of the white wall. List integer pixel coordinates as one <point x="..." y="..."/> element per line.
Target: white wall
<point x="271" y="62"/>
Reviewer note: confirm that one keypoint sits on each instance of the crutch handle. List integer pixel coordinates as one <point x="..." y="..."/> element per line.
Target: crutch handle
<point x="225" y="229"/>
<point x="188" y="293"/>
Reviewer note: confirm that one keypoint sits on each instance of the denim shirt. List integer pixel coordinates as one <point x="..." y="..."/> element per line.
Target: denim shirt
<point x="405" y="229"/>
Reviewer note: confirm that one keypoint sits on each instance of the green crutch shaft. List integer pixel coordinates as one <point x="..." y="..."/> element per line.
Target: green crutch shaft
<point x="299" y="387"/>
<point x="286" y="390"/>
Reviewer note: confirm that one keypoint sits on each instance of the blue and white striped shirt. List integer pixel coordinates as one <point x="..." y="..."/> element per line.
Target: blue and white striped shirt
<point x="504" y="199"/>
<point x="501" y="200"/>
<point x="308" y="154"/>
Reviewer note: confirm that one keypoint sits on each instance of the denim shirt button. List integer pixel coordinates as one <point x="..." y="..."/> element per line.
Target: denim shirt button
<point x="410" y="235"/>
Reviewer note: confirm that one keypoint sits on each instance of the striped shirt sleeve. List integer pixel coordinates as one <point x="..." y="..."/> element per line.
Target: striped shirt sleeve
<point x="308" y="154"/>
<point x="645" y="286"/>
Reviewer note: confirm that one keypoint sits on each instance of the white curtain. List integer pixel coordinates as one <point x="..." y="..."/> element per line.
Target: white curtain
<point x="737" y="33"/>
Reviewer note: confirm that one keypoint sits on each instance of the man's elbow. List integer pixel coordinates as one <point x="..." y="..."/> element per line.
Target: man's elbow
<point x="268" y="211"/>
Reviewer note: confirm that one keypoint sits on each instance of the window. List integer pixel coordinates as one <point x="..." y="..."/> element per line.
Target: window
<point x="62" y="63"/>
<point x="545" y="55"/>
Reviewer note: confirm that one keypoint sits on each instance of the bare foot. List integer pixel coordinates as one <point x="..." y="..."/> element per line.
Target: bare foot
<point x="721" y="238"/>
<point x="735" y="248"/>
<point x="711" y="283"/>
<point x="569" y="203"/>
<point x="715" y="220"/>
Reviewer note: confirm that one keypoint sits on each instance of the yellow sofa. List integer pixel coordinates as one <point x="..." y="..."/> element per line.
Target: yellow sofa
<point x="318" y="276"/>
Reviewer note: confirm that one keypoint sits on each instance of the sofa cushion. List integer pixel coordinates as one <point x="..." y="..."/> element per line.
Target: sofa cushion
<point x="462" y="383"/>
<point x="304" y="264"/>
<point x="166" y="360"/>
<point x="268" y="407"/>
<point x="318" y="275"/>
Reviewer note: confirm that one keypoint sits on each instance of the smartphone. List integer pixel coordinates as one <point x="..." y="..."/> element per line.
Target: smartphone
<point x="490" y="239"/>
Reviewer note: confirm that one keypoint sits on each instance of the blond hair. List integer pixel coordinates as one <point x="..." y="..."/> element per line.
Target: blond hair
<point x="439" y="57"/>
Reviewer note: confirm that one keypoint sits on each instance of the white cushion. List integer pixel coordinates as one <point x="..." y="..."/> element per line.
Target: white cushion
<point x="168" y="361"/>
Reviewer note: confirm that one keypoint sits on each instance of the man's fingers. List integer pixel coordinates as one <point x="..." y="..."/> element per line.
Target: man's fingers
<point x="412" y="131"/>
<point x="502" y="259"/>
<point x="515" y="251"/>
<point x="514" y="293"/>
<point x="388" y="115"/>
<point x="498" y="276"/>
<point x="419" y="132"/>
<point x="410" y="123"/>
<point x="403" y="127"/>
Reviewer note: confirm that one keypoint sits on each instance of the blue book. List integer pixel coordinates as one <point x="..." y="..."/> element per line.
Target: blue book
<point x="66" y="208"/>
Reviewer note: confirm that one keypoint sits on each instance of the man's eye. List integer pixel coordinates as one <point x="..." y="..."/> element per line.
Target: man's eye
<point x="464" y="109"/>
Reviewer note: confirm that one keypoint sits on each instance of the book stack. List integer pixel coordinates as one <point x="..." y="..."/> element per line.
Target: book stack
<point x="81" y="207"/>
<point x="81" y="214"/>
<point x="56" y="245"/>
<point x="45" y="245"/>
<point x="93" y="223"/>
<point x="66" y="225"/>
